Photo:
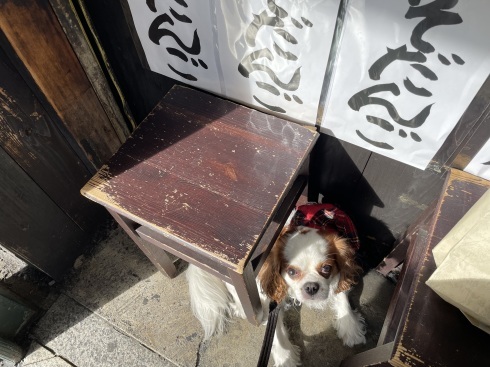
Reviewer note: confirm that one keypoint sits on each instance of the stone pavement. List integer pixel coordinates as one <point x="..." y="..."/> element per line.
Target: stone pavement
<point x="117" y="310"/>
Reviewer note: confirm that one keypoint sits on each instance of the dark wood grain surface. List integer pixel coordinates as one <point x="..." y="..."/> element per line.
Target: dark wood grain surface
<point x="37" y="39"/>
<point x="80" y="40"/>
<point x="205" y="172"/>
<point x="404" y="192"/>
<point x="33" y="227"/>
<point x="34" y="142"/>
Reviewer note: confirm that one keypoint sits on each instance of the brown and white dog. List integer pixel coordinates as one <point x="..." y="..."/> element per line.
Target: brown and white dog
<point x="312" y="264"/>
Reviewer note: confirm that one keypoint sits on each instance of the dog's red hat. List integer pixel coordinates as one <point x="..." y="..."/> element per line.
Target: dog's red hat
<point x="328" y="217"/>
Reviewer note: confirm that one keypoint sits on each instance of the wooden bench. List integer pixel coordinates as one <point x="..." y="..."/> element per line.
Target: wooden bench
<point x="209" y="181"/>
<point x="420" y="328"/>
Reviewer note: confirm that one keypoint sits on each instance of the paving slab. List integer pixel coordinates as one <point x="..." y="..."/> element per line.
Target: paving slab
<point x="86" y="340"/>
<point x="9" y="263"/>
<point x="239" y="346"/>
<point x="38" y="356"/>
<point x="119" y="284"/>
<point x="311" y="330"/>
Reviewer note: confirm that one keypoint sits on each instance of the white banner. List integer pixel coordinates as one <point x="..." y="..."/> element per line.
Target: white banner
<point x="268" y="54"/>
<point x="480" y="164"/>
<point x="177" y="38"/>
<point x="405" y="73"/>
<point x="280" y="52"/>
<point x="405" y="70"/>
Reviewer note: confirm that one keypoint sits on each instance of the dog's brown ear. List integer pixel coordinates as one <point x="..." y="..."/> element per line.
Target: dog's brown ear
<point x="270" y="278"/>
<point x="346" y="262"/>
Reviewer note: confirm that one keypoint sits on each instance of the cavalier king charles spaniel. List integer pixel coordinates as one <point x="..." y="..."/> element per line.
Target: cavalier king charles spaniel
<point x="312" y="263"/>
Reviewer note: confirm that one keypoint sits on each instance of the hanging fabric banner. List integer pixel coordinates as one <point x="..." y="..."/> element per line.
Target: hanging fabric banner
<point x="274" y="53"/>
<point x="268" y="54"/>
<point x="176" y="37"/>
<point x="405" y="73"/>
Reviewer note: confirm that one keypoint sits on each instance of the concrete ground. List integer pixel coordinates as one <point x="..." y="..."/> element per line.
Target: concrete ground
<point x="116" y="309"/>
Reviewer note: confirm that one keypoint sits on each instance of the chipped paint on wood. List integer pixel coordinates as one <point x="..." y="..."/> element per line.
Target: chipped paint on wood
<point x="405" y="358"/>
<point x="405" y="199"/>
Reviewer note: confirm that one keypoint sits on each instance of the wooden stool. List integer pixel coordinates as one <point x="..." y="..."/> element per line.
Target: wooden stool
<point x="209" y="181"/>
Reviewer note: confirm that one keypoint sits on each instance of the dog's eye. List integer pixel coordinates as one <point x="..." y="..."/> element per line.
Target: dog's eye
<point x="326" y="269"/>
<point x="292" y="272"/>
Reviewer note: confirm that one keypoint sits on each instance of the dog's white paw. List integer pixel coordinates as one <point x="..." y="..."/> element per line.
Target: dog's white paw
<point x="286" y="357"/>
<point x="351" y="329"/>
<point x="237" y="310"/>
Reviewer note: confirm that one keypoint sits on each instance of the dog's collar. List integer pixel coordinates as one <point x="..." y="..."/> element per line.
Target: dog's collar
<point x="327" y="217"/>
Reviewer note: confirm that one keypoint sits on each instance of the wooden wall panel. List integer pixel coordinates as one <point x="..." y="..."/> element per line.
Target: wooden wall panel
<point x="31" y="138"/>
<point x="32" y="226"/>
<point x="140" y="88"/>
<point x="38" y="40"/>
<point x="404" y="192"/>
<point x="341" y="165"/>
<point x="73" y="27"/>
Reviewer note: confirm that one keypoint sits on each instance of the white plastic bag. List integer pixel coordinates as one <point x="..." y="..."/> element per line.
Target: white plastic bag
<point x="462" y="277"/>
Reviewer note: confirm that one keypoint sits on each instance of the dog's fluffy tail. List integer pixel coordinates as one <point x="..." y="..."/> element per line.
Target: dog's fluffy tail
<point x="210" y="300"/>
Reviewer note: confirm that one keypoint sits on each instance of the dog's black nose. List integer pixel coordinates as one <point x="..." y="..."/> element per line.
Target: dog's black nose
<point x="311" y="288"/>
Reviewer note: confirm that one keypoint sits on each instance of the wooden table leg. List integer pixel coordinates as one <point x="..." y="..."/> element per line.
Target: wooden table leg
<point x="157" y="256"/>
<point x="379" y="356"/>
<point x="248" y="293"/>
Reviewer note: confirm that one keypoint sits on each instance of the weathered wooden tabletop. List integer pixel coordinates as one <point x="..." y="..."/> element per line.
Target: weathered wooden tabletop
<point x="205" y="172"/>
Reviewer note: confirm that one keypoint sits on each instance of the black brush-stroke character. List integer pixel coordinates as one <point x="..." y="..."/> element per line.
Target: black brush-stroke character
<point x="416" y="90"/>
<point x="425" y="71"/>
<point x="270" y="107"/>
<point x="180" y="17"/>
<point x="365" y="98"/>
<point x="151" y="4"/>
<point x="443" y="59"/>
<point x="392" y="55"/>
<point x="247" y="66"/>
<point x="277" y="10"/>
<point x="458" y="60"/>
<point x="382" y="123"/>
<point x="402" y="54"/>
<point x="261" y="20"/>
<point x="434" y="16"/>
<point x="155" y="34"/>
<point x="268" y="87"/>
<point x="378" y="144"/>
<point x="252" y="62"/>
